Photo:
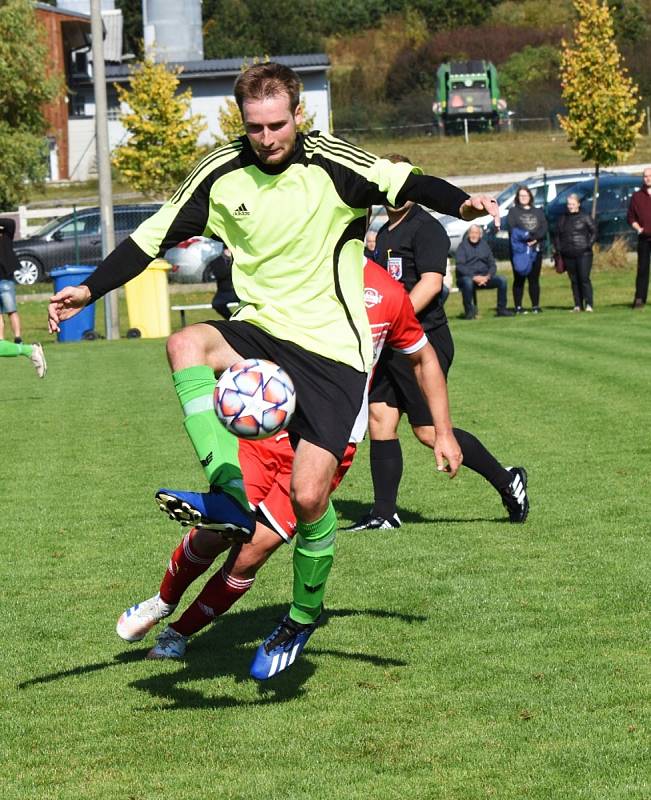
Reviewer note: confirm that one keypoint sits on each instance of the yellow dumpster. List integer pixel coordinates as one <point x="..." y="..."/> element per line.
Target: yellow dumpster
<point x="148" y="301"/>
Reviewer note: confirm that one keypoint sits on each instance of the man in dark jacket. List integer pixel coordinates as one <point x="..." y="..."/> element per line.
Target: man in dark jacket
<point x="476" y="270"/>
<point x="639" y="218"/>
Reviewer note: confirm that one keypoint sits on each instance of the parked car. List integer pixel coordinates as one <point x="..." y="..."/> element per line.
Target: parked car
<point x="544" y="188"/>
<point x="614" y="195"/>
<point x="194" y="260"/>
<point x="613" y="198"/>
<point x="75" y="238"/>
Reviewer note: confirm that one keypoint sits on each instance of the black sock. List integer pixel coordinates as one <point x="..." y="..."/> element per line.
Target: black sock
<point x="477" y="458"/>
<point x="386" y="472"/>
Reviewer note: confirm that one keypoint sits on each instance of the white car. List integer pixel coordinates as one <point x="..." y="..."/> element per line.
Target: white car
<point x="192" y="259"/>
<point x="544" y="188"/>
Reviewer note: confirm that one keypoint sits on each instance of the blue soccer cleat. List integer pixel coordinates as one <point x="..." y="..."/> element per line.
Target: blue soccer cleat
<point x="215" y="510"/>
<point x="281" y="648"/>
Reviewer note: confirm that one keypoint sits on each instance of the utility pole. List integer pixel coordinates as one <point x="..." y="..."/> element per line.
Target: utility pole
<point x="111" y="319"/>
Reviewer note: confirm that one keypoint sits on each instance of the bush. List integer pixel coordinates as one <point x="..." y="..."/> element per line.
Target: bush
<point x="615" y="257"/>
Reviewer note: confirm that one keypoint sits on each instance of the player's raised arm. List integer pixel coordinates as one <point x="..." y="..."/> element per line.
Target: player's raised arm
<point x="444" y="197"/>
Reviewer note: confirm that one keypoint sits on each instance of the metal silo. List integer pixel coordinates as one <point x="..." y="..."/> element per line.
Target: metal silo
<point x="173" y="29"/>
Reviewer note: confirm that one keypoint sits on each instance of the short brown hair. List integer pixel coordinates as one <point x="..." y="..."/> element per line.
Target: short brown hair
<point x="267" y="80"/>
<point x="396" y="158"/>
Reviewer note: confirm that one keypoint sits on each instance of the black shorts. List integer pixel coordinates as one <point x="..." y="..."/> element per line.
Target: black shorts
<point x="329" y="395"/>
<point x="395" y="384"/>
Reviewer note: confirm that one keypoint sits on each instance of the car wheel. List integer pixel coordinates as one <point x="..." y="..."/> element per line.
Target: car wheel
<point x="30" y="271"/>
<point x="208" y="274"/>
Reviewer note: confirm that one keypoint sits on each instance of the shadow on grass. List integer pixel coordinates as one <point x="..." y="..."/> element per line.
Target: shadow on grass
<point x="354" y="510"/>
<point x="226" y="649"/>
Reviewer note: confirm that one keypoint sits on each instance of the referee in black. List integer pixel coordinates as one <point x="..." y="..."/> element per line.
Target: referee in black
<point x="413" y="246"/>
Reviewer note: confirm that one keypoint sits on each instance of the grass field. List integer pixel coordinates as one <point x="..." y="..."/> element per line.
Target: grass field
<point x="462" y="658"/>
<point x="490" y="153"/>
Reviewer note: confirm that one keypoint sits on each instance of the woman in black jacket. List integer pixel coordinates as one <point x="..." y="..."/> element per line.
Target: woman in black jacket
<point x="575" y="235"/>
<point x="526" y="216"/>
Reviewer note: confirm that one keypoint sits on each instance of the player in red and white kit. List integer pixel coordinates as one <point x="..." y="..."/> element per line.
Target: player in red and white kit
<point x="267" y="466"/>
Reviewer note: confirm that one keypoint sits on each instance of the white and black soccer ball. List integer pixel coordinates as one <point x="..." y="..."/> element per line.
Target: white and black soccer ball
<point x="255" y="399"/>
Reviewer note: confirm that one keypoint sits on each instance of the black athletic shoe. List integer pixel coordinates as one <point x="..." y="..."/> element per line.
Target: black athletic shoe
<point x="505" y="312"/>
<point x="536" y="310"/>
<point x="514" y="497"/>
<point x="371" y="522"/>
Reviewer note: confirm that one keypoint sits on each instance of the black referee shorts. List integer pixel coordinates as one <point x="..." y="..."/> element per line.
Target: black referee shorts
<point x="395" y="384"/>
<point x="329" y="395"/>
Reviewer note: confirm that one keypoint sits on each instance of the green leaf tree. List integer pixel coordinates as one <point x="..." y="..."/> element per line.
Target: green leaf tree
<point x="162" y="144"/>
<point x="603" y="118"/>
<point x="25" y="88"/>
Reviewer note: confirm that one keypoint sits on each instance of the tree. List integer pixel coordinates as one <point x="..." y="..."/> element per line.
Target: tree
<point x="25" y="89"/>
<point x="531" y="67"/>
<point x="162" y="144"/>
<point x="603" y="118"/>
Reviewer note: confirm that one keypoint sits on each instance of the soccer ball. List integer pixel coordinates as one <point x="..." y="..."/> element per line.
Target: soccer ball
<point x="255" y="399"/>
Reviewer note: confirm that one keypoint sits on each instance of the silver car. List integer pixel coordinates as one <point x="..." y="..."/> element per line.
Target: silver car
<point x="192" y="260"/>
<point x="544" y="188"/>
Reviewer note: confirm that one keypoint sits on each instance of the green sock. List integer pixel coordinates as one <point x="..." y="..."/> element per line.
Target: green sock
<point x="9" y="349"/>
<point x="313" y="555"/>
<point x="216" y="448"/>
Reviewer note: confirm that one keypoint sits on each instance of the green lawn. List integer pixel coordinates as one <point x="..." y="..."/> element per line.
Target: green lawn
<point x="462" y="657"/>
<point x="490" y="153"/>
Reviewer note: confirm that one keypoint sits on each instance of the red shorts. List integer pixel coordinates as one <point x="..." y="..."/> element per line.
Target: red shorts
<point x="267" y="469"/>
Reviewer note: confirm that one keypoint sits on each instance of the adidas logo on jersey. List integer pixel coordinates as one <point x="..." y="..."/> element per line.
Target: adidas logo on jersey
<point x="241" y="211"/>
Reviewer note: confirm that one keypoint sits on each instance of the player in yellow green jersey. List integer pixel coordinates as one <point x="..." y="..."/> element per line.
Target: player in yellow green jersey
<point x="291" y="209"/>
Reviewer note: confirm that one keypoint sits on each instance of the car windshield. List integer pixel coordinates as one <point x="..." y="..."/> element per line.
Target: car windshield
<point x="49" y="227"/>
<point x="583" y="190"/>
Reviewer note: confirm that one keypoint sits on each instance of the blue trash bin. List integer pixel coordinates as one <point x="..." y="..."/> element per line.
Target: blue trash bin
<point x="72" y="330"/>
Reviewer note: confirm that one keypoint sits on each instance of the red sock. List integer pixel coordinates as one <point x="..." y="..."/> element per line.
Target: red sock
<point x="185" y="565"/>
<point x="218" y="595"/>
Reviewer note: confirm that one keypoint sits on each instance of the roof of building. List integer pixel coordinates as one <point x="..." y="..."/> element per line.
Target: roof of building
<point x="227" y="67"/>
<point x="63" y="11"/>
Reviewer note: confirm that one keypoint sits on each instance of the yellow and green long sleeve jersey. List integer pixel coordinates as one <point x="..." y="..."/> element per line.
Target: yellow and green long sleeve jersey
<point x="295" y="231"/>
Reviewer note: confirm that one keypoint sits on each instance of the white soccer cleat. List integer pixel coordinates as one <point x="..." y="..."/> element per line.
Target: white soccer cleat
<point x="169" y="644"/>
<point x="137" y="621"/>
<point x="38" y="360"/>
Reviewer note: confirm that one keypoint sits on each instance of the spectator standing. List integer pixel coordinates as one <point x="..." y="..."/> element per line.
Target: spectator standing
<point x="575" y="237"/>
<point x="639" y="218"/>
<point x="476" y="269"/>
<point x="526" y="217"/>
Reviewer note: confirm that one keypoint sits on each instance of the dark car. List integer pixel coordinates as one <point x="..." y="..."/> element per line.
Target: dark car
<point x="613" y="198"/>
<point x="75" y="238"/>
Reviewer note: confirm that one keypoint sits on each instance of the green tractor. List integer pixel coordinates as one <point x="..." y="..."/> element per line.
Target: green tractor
<point x="468" y="98"/>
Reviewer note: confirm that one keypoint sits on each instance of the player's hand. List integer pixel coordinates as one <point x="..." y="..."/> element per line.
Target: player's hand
<point x="446" y="449"/>
<point x="478" y="205"/>
<point x="65" y="304"/>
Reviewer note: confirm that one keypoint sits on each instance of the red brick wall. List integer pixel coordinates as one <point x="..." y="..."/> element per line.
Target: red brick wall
<point x="56" y="113"/>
